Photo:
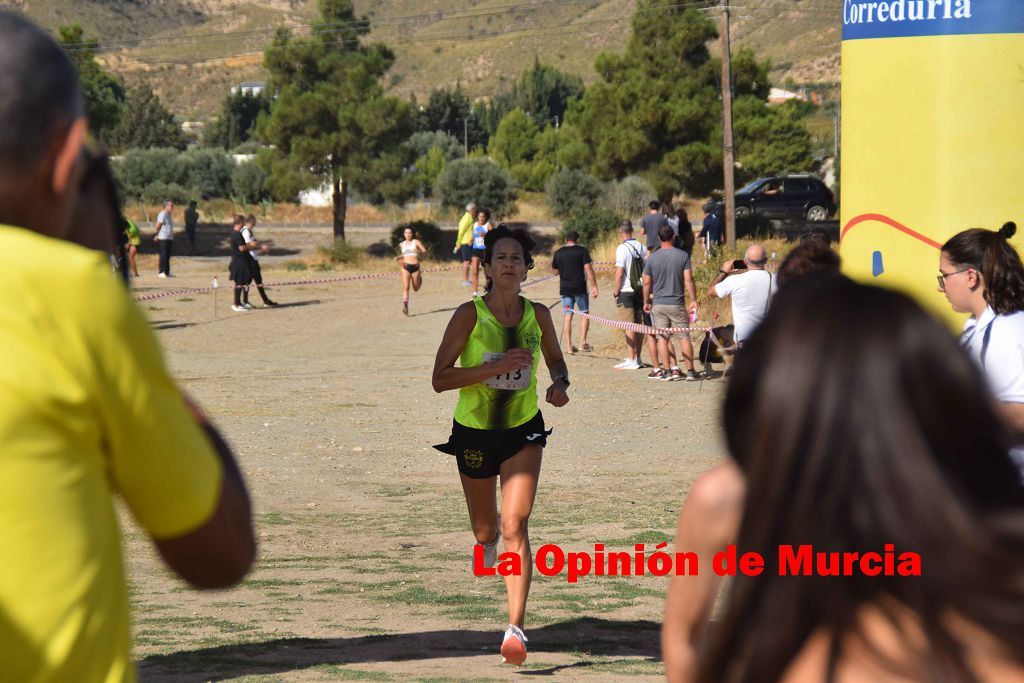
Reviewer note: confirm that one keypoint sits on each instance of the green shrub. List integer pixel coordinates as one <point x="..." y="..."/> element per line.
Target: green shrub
<point x="426" y="232"/>
<point x="629" y="196"/>
<point x="247" y="147"/>
<point x="137" y="169"/>
<point x="160" y="191"/>
<point x="248" y="183"/>
<point x="340" y="251"/>
<point x="206" y="170"/>
<point x="477" y="180"/>
<point x="295" y="265"/>
<point x="569" y="190"/>
<point x="593" y="223"/>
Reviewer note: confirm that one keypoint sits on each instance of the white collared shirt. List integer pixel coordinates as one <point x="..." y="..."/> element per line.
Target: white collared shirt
<point x="1001" y="358"/>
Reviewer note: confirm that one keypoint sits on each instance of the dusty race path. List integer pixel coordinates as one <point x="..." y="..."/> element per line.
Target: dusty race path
<point x="364" y="544"/>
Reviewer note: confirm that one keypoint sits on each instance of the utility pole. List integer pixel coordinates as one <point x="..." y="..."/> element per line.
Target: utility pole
<point x="728" y="166"/>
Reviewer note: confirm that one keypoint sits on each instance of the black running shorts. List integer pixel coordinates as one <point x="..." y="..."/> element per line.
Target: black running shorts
<point x="480" y="452"/>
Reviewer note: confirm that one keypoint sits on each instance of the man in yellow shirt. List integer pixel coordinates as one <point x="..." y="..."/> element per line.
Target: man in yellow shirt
<point x="87" y="409"/>
<point x="464" y="241"/>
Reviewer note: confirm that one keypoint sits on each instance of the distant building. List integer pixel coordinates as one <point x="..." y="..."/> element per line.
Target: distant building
<point x="249" y="88"/>
<point x="778" y="96"/>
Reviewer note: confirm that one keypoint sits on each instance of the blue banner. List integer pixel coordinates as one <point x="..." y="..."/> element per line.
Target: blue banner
<point x="906" y="18"/>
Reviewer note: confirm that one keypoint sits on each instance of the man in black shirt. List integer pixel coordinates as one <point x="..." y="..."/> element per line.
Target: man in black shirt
<point x="574" y="269"/>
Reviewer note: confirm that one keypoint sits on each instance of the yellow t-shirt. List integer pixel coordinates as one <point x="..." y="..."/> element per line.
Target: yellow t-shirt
<point x="87" y="410"/>
<point x="465" y="234"/>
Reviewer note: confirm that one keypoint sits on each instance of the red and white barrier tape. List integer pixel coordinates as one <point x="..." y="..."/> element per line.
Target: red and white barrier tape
<point x="643" y="329"/>
<point x="270" y="285"/>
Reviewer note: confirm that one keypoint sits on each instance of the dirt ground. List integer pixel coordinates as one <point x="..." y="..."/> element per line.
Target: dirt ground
<point x="364" y="560"/>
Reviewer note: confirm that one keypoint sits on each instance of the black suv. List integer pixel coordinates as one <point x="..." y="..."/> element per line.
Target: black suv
<point x="789" y="196"/>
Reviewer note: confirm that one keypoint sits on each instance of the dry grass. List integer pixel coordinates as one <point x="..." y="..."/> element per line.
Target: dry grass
<point x="485" y="53"/>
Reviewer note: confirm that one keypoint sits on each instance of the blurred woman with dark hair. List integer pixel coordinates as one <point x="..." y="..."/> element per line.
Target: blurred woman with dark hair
<point x="855" y="425"/>
<point x="812" y="256"/>
<point x="981" y="274"/>
<point x="498" y="429"/>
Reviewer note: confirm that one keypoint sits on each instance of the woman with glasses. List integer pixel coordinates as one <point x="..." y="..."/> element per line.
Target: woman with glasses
<point x="981" y="274"/>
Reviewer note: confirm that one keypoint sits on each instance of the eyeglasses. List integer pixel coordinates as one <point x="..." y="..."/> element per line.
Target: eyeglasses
<point x="942" y="278"/>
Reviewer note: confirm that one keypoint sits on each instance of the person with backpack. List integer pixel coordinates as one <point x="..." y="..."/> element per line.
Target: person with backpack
<point x="628" y="292"/>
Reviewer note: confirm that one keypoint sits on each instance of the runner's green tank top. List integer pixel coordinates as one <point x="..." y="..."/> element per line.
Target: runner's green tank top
<point x="507" y="400"/>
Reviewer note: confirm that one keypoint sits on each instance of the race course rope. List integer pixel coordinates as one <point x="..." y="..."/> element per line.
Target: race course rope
<point x="286" y="283"/>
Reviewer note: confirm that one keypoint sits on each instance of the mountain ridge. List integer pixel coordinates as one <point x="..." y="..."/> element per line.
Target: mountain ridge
<point x="193" y="51"/>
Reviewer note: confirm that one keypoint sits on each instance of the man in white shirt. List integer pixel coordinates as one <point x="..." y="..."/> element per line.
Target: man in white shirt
<point x="165" y="237"/>
<point x="751" y="291"/>
<point x="628" y="293"/>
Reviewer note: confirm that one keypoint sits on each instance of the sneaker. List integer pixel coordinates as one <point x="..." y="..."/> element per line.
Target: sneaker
<point x="476" y="295"/>
<point x="162" y="275"/>
<point x="247" y="306"/>
<point x="654" y="374"/>
<point x="467" y="283"/>
<point x="674" y="375"/>
<point x="692" y="376"/>
<point x="627" y="364"/>
<point x="268" y="302"/>
<point x="513" y="647"/>
<point x="239" y="309"/>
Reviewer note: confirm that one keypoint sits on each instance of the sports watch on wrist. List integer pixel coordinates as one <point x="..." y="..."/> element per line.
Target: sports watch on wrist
<point x="564" y="379"/>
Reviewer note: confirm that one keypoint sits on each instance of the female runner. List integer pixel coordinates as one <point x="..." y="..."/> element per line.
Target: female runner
<point x="498" y="428"/>
<point x="410" y="258"/>
<point x="479" y="232"/>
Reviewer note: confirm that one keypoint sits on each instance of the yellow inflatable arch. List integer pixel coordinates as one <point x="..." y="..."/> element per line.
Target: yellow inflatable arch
<point x="932" y="133"/>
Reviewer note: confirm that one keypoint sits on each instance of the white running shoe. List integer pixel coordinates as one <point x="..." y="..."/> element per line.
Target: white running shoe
<point x="239" y="309"/>
<point x="628" y="364"/>
<point x="513" y="647"/>
<point x="161" y="275"/>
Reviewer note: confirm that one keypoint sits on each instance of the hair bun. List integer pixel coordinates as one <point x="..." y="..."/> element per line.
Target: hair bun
<point x="1008" y="230"/>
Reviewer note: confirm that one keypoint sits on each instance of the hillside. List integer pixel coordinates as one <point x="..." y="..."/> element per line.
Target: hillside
<point x="193" y="51"/>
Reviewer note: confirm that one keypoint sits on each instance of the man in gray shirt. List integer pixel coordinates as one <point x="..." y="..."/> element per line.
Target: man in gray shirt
<point x="165" y="237"/>
<point x="668" y="278"/>
<point x="651" y="224"/>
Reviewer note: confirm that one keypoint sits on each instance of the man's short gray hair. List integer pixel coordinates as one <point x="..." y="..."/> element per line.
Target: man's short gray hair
<point x="470" y="206"/>
<point x="39" y="92"/>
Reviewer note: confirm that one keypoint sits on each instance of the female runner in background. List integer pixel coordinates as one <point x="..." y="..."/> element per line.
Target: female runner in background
<point x="410" y="258"/>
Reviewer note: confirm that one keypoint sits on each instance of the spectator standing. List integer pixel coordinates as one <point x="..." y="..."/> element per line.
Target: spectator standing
<point x="668" y="278"/>
<point x="981" y="273"/>
<point x="685" y="231"/>
<point x="240" y="269"/>
<point x="712" y="233"/>
<point x="191" y="223"/>
<point x="253" y="249"/>
<point x="81" y="419"/>
<point x="165" y="237"/>
<point x="651" y="223"/>
<point x="751" y="291"/>
<point x="628" y="292"/>
<point x="573" y="265"/>
<point x="464" y="241"/>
